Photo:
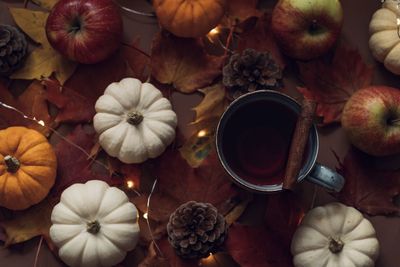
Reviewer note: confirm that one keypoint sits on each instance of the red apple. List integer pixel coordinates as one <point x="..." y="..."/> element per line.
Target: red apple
<point x="371" y="119"/>
<point x="307" y="29"/>
<point x="87" y="31"/>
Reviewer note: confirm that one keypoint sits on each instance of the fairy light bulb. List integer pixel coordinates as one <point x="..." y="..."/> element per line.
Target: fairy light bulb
<point x="145" y="215"/>
<point x="130" y="184"/>
<point x="213" y="32"/>
<point x="202" y="133"/>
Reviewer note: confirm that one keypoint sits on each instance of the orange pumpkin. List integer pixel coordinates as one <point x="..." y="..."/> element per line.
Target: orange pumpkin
<point x="189" y="18"/>
<point x="27" y="167"/>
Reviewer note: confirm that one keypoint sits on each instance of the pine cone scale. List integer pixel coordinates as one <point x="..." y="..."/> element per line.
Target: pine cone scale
<point x="13" y="49"/>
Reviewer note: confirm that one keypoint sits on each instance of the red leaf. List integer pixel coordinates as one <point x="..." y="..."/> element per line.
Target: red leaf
<point x="32" y="102"/>
<point x="74" y="166"/>
<point x="368" y="188"/>
<point x="76" y="99"/>
<point x="183" y="63"/>
<point x="255" y="246"/>
<point x="332" y="83"/>
<point x="243" y="9"/>
<point x="260" y="37"/>
<point x="173" y="259"/>
<point x="179" y="183"/>
<point x="283" y="215"/>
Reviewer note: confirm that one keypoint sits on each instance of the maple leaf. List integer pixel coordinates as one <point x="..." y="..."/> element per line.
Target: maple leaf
<point x="29" y="223"/>
<point x="46" y="4"/>
<point x="74" y="166"/>
<point x="243" y="9"/>
<point x="44" y="60"/>
<point x="183" y="63"/>
<point x="255" y="246"/>
<point x="77" y="97"/>
<point x="368" y="188"/>
<point x="32" y="102"/>
<point x="178" y="183"/>
<point x="332" y="83"/>
<point x="152" y="259"/>
<point x="261" y="38"/>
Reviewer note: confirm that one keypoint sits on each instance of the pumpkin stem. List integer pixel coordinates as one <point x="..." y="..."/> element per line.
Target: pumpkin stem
<point x="12" y="163"/>
<point x="93" y="227"/>
<point x="335" y="245"/>
<point x="134" y="117"/>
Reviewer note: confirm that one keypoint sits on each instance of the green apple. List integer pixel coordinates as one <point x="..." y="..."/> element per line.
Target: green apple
<point x="307" y="29"/>
<point x="371" y="120"/>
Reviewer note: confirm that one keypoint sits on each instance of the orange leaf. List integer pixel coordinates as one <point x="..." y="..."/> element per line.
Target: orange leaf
<point x="368" y="188"/>
<point x="260" y="37"/>
<point x="32" y="102"/>
<point x="331" y="83"/>
<point x="183" y="63"/>
<point x="29" y="223"/>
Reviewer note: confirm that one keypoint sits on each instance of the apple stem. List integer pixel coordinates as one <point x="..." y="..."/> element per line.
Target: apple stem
<point x="394" y="122"/>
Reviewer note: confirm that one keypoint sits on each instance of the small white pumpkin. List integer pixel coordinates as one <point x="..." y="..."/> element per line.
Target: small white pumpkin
<point x="335" y="235"/>
<point x="134" y="121"/>
<point x="94" y="225"/>
<point x="385" y="41"/>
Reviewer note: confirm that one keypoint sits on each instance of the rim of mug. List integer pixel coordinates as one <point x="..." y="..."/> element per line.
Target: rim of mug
<point x="264" y="188"/>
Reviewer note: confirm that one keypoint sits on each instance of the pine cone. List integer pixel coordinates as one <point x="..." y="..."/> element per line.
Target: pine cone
<point x="251" y="70"/>
<point x="13" y="48"/>
<point x="196" y="229"/>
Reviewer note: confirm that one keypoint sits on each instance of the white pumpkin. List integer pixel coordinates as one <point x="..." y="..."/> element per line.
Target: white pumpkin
<point x="385" y="40"/>
<point x="334" y="236"/>
<point x="94" y="225"/>
<point x="134" y="121"/>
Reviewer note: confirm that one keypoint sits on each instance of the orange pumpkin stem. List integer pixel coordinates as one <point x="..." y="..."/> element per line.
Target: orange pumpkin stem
<point x="12" y="163"/>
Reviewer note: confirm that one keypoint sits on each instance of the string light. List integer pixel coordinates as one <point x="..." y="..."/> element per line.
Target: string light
<point x="214" y="32"/>
<point x="202" y="133"/>
<point x="146" y="215"/>
<point x="130" y="184"/>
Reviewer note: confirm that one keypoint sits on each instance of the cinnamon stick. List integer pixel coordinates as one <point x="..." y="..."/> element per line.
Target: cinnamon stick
<point x="299" y="142"/>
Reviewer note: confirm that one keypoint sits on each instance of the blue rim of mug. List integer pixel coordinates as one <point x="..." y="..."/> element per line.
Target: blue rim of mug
<point x="289" y="102"/>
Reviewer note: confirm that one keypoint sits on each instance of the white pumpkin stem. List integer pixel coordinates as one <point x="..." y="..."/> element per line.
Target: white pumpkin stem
<point x="93" y="227"/>
<point x="134" y="117"/>
<point x="335" y="245"/>
<point x="12" y="163"/>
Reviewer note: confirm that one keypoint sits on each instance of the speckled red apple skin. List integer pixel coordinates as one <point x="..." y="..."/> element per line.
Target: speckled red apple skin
<point x="99" y="37"/>
<point x="369" y="120"/>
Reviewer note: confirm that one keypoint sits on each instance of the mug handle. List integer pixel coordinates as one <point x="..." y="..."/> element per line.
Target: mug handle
<point x="326" y="177"/>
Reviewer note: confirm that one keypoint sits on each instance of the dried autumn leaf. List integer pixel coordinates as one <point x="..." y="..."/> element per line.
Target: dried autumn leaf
<point x="260" y="37"/>
<point x="178" y="183"/>
<point x="368" y="188"/>
<point x="213" y="104"/>
<point x="44" y="60"/>
<point x="183" y="63"/>
<point x="332" y="83"/>
<point x="30" y="223"/>
<point x="255" y="246"/>
<point x="173" y="259"/>
<point x="74" y="166"/>
<point x="46" y="4"/>
<point x="76" y="98"/>
<point x="243" y="9"/>
<point x="153" y="259"/>
<point x="32" y="102"/>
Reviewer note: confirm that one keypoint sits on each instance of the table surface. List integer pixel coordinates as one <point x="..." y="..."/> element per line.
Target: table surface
<point x="355" y="32"/>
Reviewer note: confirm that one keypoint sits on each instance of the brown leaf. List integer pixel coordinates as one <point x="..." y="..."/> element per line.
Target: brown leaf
<point x="153" y="260"/>
<point x="44" y="60"/>
<point x="260" y="37"/>
<point x="332" y="83"/>
<point x="213" y="104"/>
<point x="238" y="209"/>
<point x="178" y="183"/>
<point x="46" y="4"/>
<point x="72" y="106"/>
<point x="255" y="246"/>
<point x="368" y="188"/>
<point x="32" y="102"/>
<point x="183" y="63"/>
<point x="29" y="223"/>
<point x="73" y="163"/>
<point x="77" y="97"/>
<point x="173" y="259"/>
<point x="243" y="9"/>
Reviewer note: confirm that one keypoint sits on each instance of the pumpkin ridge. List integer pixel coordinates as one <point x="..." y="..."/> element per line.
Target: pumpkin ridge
<point x="27" y="149"/>
<point x="32" y="177"/>
<point x="204" y="11"/>
<point x="317" y="230"/>
<point x="97" y="217"/>
<point x="26" y="195"/>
